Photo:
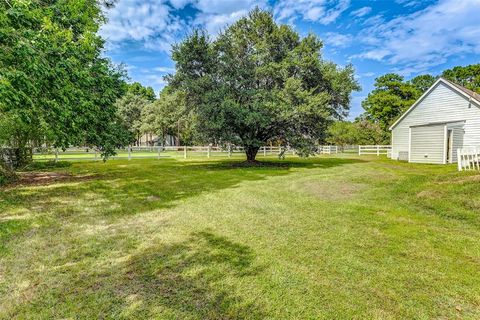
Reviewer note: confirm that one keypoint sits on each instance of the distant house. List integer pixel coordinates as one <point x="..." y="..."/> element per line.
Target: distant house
<point x="444" y="118"/>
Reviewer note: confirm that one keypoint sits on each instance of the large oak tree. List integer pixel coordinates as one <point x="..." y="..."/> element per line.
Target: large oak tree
<point x="258" y="81"/>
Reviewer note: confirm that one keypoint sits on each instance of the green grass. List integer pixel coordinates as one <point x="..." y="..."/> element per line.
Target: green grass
<point x="331" y="238"/>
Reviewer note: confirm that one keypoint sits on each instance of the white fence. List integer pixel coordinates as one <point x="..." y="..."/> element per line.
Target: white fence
<point x="327" y="149"/>
<point x="375" y="149"/>
<point x="155" y="152"/>
<point x="468" y="158"/>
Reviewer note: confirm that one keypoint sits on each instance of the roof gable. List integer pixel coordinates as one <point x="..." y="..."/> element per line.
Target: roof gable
<point x="453" y="86"/>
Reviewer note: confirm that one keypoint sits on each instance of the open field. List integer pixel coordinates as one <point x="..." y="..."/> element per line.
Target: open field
<point x="332" y="238"/>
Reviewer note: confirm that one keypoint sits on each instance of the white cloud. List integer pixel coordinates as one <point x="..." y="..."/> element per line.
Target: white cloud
<point x="338" y="40"/>
<point x="157" y="24"/>
<point x="155" y="81"/>
<point x="426" y="38"/>
<point x="361" y="12"/>
<point x="409" y="3"/>
<point x="226" y="6"/>
<point x="150" y="22"/>
<point x="368" y="74"/>
<point x="322" y="11"/>
<point x="164" y="69"/>
<point x="215" y="15"/>
<point x="179" y="4"/>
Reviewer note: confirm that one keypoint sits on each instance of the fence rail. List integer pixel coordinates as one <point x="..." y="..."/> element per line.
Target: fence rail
<point x="468" y="158"/>
<point x="327" y="149"/>
<point x="157" y="152"/>
<point x="154" y="152"/>
<point x="375" y="149"/>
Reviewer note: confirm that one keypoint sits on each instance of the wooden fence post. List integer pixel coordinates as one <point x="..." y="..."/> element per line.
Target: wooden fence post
<point x="229" y="150"/>
<point x="158" y="154"/>
<point x="378" y="151"/>
<point x="129" y="153"/>
<point x="208" y="151"/>
<point x="185" y="152"/>
<point x="56" y="154"/>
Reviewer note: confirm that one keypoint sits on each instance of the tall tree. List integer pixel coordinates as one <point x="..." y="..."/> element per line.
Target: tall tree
<point x="259" y="81"/>
<point x="423" y="82"/>
<point x="55" y="86"/>
<point x="390" y="98"/>
<point x="468" y="76"/>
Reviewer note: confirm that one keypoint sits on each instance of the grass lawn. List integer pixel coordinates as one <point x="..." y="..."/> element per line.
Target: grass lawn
<point x="332" y="238"/>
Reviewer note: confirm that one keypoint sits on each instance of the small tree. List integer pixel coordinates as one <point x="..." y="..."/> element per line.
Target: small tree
<point x="361" y="131"/>
<point x="342" y="133"/>
<point x="130" y="108"/>
<point x="259" y="81"/>
<point x="137" y="89"/>
<point x="163" y="116"/>
<point x="368" y="132"/>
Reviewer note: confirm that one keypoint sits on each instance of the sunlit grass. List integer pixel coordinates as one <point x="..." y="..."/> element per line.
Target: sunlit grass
<point x="204" y="239"/>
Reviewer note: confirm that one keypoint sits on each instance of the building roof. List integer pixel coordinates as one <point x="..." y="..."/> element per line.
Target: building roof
<point x="456" y="87"/>
<point x="469" y="92"/>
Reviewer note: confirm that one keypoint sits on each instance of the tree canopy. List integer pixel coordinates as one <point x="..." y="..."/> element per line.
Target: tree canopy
<point x="259" y="81"/>
<point x="168" y="116"/>
<point x="129" y="109"/>
<point x="391" y="97"/>
<point x="361" y="132"/>
<point x="137" y="89"/>
<point x="467" y="76"/>
<point x="56" y="88"/>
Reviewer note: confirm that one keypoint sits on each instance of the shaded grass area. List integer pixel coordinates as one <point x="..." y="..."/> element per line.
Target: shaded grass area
<point x="340" y="237"/>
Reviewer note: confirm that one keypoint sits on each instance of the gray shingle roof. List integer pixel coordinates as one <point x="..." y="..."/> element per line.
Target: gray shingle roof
<point x="469" y="92"/>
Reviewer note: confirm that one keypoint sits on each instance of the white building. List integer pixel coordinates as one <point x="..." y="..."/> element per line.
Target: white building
<point x="444" y="118"/>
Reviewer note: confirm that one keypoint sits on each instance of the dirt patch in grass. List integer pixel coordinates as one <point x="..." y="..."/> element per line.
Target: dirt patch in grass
<point x="461" y="180"/>
<point x="434" y="194"/>
<point x="46" y="178"/>
<point x="337" y="190"/>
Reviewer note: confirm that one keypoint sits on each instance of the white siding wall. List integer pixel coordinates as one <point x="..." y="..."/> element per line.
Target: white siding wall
<point x="442" y="104"/>
<point x="427" y="144"/>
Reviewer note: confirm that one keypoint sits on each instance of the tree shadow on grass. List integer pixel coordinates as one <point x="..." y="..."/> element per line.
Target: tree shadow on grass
<point x="197" y="278"/>
<point x="191" y="279"/>
<point x="121" y="188"/>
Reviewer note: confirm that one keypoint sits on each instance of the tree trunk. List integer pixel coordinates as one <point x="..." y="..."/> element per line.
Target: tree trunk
<point x="251" y="153"/>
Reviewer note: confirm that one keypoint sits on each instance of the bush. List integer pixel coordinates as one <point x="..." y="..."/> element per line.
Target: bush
<point x="15" y="158"/>
<point x="6" y="175"/>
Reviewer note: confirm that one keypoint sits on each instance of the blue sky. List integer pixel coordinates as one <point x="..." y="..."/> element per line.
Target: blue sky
<point x="409" y="37"/>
